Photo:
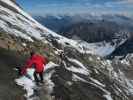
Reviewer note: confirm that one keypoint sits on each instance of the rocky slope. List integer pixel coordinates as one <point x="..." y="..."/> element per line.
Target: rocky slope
<point x="71" y="74"/>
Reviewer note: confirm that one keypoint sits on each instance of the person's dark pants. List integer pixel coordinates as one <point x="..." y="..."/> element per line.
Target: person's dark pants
<point x="40" y="78"/>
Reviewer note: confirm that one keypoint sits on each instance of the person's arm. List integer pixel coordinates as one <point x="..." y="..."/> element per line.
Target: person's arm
<point x="28" y="64"/>
<point x="23" y="70"/>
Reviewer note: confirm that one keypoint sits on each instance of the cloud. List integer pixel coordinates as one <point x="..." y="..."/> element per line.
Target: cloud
<point x="124" y="7"/>
<point x="130" y="1"/>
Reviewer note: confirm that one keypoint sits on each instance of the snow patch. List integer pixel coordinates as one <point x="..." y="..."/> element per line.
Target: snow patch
<point x="77" y="70"/>
<point x="97" y="82"/>
<point x="77" y="78"/>
<point x="80" y="69"/>
<point x="108" y="97"/>
<point x="24" y="44"/>
<point x="50" y="65"/>
<point x="47" y="76"/>
<point x="27" y="83"/>
<point x="126" y="62"/>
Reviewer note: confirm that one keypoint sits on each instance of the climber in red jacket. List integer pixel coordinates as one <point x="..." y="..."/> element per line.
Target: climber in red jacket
<point x="38" y="62"/>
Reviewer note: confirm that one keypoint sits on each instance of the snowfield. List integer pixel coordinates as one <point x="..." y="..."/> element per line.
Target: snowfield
<point x="27" y="83"/>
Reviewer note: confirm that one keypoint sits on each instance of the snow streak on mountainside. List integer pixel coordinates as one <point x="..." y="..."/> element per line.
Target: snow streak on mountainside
<point x="13" y="20"/>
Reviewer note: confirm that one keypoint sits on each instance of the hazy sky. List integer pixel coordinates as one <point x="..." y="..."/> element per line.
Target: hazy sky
<point x="43" y="7"/>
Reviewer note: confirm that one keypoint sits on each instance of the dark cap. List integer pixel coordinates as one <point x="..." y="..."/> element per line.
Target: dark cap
<point x="32" y="53"/>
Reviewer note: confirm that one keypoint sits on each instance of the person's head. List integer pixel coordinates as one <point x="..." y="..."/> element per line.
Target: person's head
<point x="32" y="53"/>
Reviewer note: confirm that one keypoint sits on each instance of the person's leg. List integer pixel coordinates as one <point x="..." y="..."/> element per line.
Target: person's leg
<point x="35" y="77"/>
<point x="41" y="77"/>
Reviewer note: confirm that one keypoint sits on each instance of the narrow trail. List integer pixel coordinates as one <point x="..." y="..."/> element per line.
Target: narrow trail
<point x="34" y="92"/>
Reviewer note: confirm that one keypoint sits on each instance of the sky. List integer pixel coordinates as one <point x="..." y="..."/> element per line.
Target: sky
<point x="96" y="7"/>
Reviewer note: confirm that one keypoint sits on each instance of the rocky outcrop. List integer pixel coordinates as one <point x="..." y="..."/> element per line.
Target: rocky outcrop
<point x="97" y="79"/>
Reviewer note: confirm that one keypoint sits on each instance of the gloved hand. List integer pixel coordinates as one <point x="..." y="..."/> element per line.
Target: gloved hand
<point x="23" y="71"/>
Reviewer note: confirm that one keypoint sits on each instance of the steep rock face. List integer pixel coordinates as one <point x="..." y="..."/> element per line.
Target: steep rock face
<point x="94" y="78"/>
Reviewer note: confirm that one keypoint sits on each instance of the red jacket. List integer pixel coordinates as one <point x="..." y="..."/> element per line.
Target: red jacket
<point x="36" y="60"/>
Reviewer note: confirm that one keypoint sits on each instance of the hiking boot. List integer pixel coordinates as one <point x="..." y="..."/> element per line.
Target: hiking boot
<point x="36" y="82"/>
<point x="42" y="82"/>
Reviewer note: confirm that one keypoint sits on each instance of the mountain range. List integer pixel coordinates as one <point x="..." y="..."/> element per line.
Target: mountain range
<point x="91" y="29"/>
